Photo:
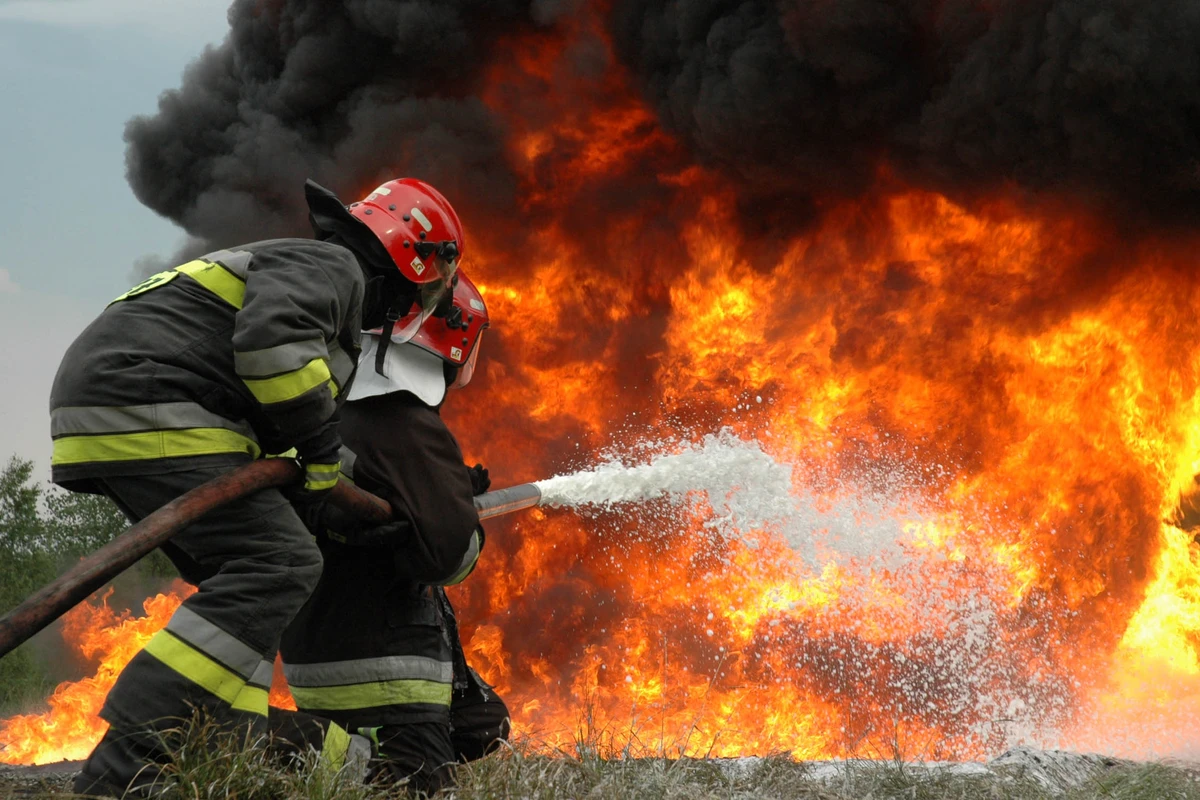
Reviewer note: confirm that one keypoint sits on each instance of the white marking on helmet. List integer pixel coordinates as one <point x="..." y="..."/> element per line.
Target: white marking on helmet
<point x="383" y="190"/>
<point x="417" y="265"/>
<point x="456" y="353"/>
<point x="475" y="304"/>
<point x="420" y="217"/>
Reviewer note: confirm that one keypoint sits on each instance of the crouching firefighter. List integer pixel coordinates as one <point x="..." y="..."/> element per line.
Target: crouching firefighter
<point x="376" y="648"/>
<point x="242" y="352"/>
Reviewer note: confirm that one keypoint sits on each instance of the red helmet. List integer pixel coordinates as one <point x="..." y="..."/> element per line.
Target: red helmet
<point x="422" y="233"/>
<point x="455" y="336"/>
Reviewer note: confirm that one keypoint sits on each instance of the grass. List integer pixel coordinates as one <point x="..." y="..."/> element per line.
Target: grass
<point x="211" y="764"/>
<point x="521" y="773"/>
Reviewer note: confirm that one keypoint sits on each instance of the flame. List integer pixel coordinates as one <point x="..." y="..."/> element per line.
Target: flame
<point x="992" y="404"/>
<point x="1033" y="453"/>
<point x="107" y="639"/>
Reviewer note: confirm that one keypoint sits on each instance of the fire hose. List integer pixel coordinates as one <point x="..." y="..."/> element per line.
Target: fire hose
<point x="57" y="597"/>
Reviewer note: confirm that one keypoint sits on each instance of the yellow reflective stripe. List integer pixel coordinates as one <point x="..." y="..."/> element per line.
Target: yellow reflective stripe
<point x="333" y="751"/>
<point x="197" y="667"/>
<point x="319" y="477"/>
<point x="370" y="695"/>
<point x="289" y="385"/>
<point x="218" y="280"/>
<point x="252" y="700"/>
<point x="145" y="445"/>
<point x="333" y="388"/>
<point x="153" y="282"/>
<point x="212" y="276"/>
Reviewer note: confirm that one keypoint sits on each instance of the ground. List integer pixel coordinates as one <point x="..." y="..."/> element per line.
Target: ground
<point x="1019" y="774"/>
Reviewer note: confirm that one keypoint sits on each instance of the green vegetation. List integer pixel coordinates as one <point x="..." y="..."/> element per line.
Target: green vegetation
<point x="42" y="532"/>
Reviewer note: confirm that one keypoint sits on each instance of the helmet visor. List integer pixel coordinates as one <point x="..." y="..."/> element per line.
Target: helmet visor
<point x="467" y="370"/>
<point x="433" y="297"/>
<point x="446" y="261"/>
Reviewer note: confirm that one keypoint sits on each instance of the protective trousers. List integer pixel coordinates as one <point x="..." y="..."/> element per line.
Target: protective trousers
<point x="254" y="564"/>
<point x="479" y="719"/>
<point x="423" y="754"/>
<point x="420" y="755"/>
<point x="293" y="735"/>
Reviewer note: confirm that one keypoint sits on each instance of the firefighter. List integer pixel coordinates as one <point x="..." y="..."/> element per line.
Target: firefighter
<point x="241" y="353"/>
<point x="376" y="648"/>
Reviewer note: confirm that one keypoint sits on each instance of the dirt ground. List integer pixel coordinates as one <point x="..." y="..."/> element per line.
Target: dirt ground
<point x="48" y="779"/>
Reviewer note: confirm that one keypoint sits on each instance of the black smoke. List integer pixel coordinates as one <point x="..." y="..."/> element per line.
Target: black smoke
<point x="795" y="100"/>
<point x="1095" y="99"/>
<point x="348" y="94"/>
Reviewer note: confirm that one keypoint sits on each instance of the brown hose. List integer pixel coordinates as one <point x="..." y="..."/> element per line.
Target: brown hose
<point x="57" y="597"/>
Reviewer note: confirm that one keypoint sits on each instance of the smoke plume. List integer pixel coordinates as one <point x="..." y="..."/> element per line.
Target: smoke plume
<point x="1096" y="98"/>
<point x="348" y="94"/>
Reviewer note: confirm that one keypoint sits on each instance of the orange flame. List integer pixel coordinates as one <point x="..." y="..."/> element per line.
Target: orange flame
<point x="109" y="638"/>
<point x="1005" y="390"/>
<point x="992" y="404"/>
<point x="72" y="727"/>
<point x="1041" y="597"/>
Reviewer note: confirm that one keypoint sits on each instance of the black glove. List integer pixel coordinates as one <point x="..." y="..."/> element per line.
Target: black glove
<point x="395" y="535"/>
<point x="479" y="479"/>
<point x="321" y="459"/>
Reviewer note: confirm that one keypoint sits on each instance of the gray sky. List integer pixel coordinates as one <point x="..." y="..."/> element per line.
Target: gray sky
<point x="71" y="73"/>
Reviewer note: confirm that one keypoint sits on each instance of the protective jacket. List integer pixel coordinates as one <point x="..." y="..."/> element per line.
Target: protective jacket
<point x="213" y="363"/>
<point x="373" y="646"/>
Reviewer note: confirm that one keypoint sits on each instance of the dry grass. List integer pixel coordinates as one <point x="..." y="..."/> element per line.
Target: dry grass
<point x="211" y="764"/>
<point x="519" y="772"/>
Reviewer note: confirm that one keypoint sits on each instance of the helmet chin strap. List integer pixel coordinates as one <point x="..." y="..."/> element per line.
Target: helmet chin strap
<point x="398" y="309"/>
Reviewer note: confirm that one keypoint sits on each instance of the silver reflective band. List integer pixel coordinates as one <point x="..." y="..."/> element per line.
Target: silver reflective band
<point x="279" y="359"/>
<point x="348" y="458"/>
<point x="236" y="261"/>
<point x="468" y="560"/>
<point x="214" y="642"/>
<point x="127" y="419"/>
<point x="341" y="365"/>
<point x="262" y="676"/>
<point x="366" y="670"/>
